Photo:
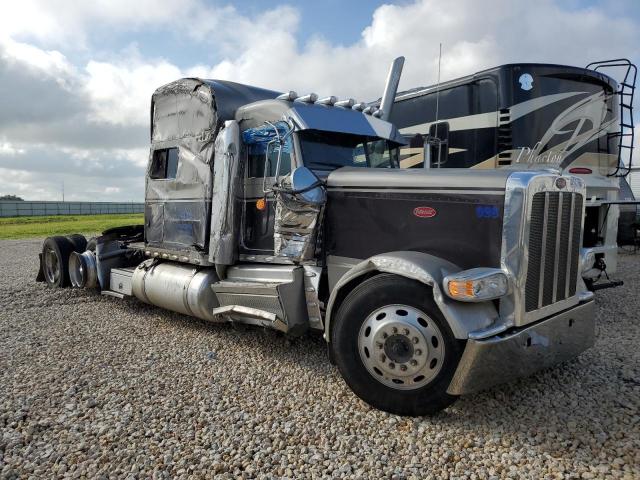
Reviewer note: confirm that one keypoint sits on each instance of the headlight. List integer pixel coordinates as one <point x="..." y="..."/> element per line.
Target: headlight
<point x="587" y="259"/>
<point x="476" y="285"/>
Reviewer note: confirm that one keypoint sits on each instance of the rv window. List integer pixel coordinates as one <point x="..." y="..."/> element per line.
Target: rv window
<point x="164" y="164"/>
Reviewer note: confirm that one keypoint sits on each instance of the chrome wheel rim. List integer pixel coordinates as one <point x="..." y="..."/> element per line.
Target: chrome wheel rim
<point x="51" y="266"/>
<point x="401" y="347"/>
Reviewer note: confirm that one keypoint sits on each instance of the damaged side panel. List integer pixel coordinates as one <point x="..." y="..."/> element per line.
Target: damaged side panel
<point x="178" y="196"/>
<point x="185" y="118"/>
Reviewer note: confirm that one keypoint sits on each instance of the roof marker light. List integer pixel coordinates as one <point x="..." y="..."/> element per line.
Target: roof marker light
<point x="369" y="110"/>
<point x="345" y="103"/>
<point x="580" y="170"/>
<point x="310" y="98"/>
<point x="289" y="96"/>
<point x="359" y="106"/>
<point x="327" y="100"/>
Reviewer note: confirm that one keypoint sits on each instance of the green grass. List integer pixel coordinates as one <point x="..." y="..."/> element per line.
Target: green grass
<point x="45" y="226"/>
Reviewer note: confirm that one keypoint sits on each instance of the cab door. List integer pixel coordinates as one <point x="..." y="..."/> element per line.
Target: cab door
<point x="258" y="209"/>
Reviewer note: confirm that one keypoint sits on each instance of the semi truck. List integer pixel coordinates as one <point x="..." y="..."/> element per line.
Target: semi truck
<point x="291" y="213"/>
<point x="534" y="116"/>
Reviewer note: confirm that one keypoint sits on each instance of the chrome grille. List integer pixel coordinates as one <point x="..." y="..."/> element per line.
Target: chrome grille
<point x="554" y="246"/>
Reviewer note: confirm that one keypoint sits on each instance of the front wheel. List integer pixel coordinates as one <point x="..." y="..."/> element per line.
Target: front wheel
<point x="394" y="348"/>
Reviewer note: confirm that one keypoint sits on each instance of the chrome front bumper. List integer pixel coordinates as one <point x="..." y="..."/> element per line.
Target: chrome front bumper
<point x="519" y="353"/>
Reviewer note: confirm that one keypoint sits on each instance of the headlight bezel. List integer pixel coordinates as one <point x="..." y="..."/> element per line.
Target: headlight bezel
<point x="477" y="285"/>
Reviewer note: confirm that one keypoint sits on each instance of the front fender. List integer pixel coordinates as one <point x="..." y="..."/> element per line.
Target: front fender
<point x="462" y="318"/>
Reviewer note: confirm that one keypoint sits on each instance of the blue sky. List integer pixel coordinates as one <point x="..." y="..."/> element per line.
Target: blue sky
<point x="76" y="77"/>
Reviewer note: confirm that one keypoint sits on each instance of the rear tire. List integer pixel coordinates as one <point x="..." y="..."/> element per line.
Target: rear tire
<point x="394" y="348"/>
<point x="55" y="261"/>
<point x="79" y="242"/>
<point x="92" y="243"/>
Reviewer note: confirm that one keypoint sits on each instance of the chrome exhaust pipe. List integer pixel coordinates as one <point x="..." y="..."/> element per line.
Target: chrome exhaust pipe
<point x="391" y="88"/>
<point x="83" y="271"/>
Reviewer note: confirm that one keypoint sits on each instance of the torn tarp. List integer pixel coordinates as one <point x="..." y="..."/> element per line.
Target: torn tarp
<point x="186" y="115"/>
<point x="223" y="243"/>
<point x="296" y="225"/>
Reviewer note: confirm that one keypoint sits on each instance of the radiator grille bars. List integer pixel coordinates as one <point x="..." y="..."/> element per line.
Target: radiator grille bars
<point x="554" y="246"/>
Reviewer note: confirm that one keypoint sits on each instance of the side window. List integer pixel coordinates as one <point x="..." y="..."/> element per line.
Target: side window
<point x="257" y="153"/>
<point x="412" y="154"/>
<point x="164" y="164"/>
<point x="381" y="156"/>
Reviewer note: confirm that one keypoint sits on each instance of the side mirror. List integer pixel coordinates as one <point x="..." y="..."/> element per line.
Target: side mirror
<point x="306" y="185"/>
<point x="438" y="140"/>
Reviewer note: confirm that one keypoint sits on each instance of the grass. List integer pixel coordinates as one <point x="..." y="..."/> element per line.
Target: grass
<point x="45" y="226"/>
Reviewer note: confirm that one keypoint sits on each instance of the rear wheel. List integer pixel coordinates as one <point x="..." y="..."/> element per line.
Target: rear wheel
<point x="79" y="242"/>
<point x="55" y="261"/>
<point x="394" y="348"/>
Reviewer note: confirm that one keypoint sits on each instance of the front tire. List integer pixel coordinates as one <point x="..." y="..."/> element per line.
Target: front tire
<point x="394" y="348"/>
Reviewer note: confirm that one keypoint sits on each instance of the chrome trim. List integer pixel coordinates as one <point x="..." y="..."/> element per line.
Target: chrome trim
<point x="250" y="315"/>
<point x="182" y="256"/>
<point x="586" y="295"/>
<point x="504" y="357"/>
<point x="567" y="283"/>
<point x="265" y="259"/>
<point x="556" y="257"/>
<point x="312" y="276"/>
<point x="514" y="259"/>
<point x="543" y="252"/>
<point x="490" y="331"/>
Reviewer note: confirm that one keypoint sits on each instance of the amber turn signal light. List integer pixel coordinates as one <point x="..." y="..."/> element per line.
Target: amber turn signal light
<point x="261" y="204"/>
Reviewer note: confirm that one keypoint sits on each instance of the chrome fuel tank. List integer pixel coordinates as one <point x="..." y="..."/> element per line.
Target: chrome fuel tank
<point x="180" y="288"/>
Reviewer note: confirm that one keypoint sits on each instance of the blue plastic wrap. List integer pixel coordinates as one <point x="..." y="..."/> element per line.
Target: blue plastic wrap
<point x="259" y="137"/>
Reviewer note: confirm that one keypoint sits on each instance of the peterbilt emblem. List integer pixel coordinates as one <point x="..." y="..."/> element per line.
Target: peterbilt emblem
<point x="424" y="212"/>
<point x="526" y="81"/>
<point x="561" y="182"/>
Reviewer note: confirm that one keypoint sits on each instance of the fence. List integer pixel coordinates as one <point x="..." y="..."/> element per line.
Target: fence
<point x="23" y="209"/>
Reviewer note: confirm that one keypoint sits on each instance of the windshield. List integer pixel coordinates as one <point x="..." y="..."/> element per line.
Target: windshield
<point x="328" y="151"/>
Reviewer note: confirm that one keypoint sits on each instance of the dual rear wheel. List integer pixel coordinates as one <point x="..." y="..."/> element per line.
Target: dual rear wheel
<point x="394" y="348"/>
<point x="55" y="258"/>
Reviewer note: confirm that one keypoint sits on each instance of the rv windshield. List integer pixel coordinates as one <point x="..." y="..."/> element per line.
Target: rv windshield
<point x="328" y="151"/>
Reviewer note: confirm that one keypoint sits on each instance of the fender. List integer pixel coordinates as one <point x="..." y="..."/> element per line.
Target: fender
<point x="462" y="317"/>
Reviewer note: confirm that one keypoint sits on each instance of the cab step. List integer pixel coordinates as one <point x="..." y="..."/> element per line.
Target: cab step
<point x="267" y="295"/>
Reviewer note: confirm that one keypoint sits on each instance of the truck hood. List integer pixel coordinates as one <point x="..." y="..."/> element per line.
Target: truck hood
<point x="437" y="178"/>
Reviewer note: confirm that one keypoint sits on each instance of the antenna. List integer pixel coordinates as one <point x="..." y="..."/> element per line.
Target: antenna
<point x="438" y="102"/>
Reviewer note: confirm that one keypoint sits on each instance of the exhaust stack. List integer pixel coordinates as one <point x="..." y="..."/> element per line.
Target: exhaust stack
<point x="391" y="88"/>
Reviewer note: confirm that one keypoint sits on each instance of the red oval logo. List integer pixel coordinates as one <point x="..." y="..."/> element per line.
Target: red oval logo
<point x="424" y="212"/>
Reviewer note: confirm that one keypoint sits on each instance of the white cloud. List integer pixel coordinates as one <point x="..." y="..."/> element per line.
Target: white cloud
<point x="69" y="23"/>
<point x="8" y="149"/>
<point x="120" y="93"/>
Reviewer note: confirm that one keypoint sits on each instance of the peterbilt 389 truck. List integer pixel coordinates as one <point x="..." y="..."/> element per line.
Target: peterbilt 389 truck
<point x="291" y="212"/>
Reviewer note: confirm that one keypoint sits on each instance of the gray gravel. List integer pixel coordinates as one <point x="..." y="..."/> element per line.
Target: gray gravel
<point x="92" y="386"/>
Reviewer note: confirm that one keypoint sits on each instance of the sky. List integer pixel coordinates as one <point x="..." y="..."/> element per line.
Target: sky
<point x="76" y="78"/>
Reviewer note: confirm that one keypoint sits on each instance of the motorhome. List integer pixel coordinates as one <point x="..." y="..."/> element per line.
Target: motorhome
<point x="529" y="116"/>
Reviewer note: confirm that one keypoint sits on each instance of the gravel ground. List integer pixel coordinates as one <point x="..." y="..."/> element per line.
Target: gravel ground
<point x="92" y="386"/>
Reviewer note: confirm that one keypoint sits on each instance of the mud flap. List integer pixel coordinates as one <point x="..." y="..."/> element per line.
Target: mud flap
<point x="40" y="276"/>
